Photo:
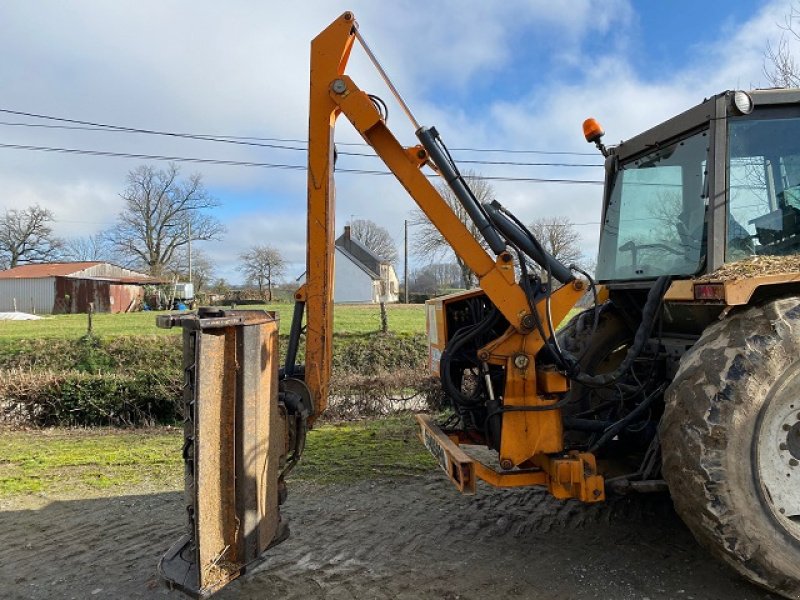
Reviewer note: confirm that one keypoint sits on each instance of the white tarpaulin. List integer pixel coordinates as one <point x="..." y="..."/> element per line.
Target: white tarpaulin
<point x="17" y="316"/>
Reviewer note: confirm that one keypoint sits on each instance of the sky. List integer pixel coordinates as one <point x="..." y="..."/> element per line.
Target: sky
<point x="518" y="75"/>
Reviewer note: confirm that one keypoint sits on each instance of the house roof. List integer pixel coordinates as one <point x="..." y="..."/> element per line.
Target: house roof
<point x="54" y="269"/>
<point x="358" y="263"/>
<point x="98" y="270"/>
<point x="359" y="253"/>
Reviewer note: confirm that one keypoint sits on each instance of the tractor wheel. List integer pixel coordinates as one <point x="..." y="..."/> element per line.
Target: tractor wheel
<point x="730" y="439"/>
<point x="599" y="351"/>
<point x="611" y="336"/>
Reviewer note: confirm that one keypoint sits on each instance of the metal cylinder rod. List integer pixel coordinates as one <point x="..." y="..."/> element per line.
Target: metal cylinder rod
<point x="385" y="77"/>
<point x="294" y="338"/>
<point x="520" y="239"/>
<point x="429" y="136"/>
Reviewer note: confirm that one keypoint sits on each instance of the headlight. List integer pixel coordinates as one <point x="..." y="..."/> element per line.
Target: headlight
<point x="743" y="102"/>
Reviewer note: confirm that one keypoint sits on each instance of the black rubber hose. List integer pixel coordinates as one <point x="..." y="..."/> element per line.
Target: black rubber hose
<point x="649" y="313"/>
<point x="516" y="233"/>
<point x="627" y="419"/>
<point x="456" y="343"/>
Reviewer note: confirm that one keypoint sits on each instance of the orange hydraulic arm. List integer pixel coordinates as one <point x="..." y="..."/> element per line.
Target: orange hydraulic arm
<point x="333" y="93"/>
<point x="529" y="433"/>
<point x="329" y="53"/>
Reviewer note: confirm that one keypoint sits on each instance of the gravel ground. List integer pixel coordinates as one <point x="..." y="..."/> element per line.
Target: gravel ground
<point x="404" y="538"/>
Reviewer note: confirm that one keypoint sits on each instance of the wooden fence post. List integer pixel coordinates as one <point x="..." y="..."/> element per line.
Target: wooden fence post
<point x="384" y="319"/>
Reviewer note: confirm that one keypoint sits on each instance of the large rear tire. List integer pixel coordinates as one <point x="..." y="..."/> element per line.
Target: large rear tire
<point x="731" y="443"/>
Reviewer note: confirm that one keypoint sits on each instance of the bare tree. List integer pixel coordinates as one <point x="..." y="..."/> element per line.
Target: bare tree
<point x="435" y="278"/>
<point x="262" y="265"/>
<point x="202" y="268"/>
<point x="374" y="237"/>
<point x="220" y="286"/>
<point x="780" y="64"/>
<point x="26" y="236"/>
<point x="423" y="281"/>
<point x="92" y="247"/>
<point x="559" y="237"/>
<point x="161" y="213"/>
<point x="429" y="243"/>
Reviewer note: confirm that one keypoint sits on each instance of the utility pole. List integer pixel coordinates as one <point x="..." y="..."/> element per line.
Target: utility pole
<point x="189" y="226"/>
<point x="405" y="260"/>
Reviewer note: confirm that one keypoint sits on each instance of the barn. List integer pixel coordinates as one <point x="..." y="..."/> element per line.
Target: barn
<point x="69" y="287"/>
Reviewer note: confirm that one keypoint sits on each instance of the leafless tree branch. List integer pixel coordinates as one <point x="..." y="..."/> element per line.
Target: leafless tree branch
<point x="262" y="265"/>
<point x="374" y="237"/>
<point x="430" y="244"/>
<point x="780" y="64"/>
<point x="160" y="212"/>
<point x="27" y="237"/>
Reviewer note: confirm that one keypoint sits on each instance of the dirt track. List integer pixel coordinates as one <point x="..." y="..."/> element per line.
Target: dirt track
<point x="409" y="538"/>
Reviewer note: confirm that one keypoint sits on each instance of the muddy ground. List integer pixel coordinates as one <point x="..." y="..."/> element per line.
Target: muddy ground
<point x="406" y="538"/>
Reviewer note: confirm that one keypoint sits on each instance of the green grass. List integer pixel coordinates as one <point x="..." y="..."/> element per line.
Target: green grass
<point x="63" y="463"/>
<point x="348" y="319"/>
<point x="74" y="326"/>
<point x="348" y="452"/>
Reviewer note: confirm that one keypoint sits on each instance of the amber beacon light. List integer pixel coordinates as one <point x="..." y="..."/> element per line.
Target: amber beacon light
<point x="592" y="131"/>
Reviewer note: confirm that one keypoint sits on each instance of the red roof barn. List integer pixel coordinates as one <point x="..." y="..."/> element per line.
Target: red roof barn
<point x="69" y="287"/>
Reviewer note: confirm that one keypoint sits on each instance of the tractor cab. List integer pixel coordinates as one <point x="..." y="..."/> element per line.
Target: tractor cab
<point x="717" y="184"/>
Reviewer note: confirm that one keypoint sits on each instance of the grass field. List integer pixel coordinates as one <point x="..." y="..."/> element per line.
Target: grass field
<point x="64" y="462"/>
<point x="348" y="319"/>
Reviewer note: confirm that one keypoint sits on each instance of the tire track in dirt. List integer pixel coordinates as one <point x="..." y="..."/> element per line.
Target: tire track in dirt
<point x="98" y="548"/>
<point x="407" y="538"/>
<point x="421" y="539"/>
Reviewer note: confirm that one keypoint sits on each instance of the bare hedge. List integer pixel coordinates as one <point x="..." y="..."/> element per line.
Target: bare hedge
<point x="75" y="398"/>
<point x="131" y="382"/>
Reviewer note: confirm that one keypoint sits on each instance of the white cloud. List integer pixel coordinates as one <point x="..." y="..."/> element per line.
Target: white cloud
<point x="242" y="68"/>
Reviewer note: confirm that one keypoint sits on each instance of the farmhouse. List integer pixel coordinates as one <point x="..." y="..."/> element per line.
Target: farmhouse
<point x="69" y="287"/>
<point x="361" y="275"/>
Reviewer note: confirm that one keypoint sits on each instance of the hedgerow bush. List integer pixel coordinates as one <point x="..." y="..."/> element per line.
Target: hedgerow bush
<point x="75" y="398"/>
<point x="381" y="374"/>
<point x="90" y="354"/>
<point x="138" y="381"/>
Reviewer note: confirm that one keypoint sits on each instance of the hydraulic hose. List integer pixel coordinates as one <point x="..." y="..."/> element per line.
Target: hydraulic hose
<point x="456" y="343"/>
<point x="438" y="153"/>
<point x="519" y="236"/>
<point x="626" y="420"/>
<point x="649" y="313"/>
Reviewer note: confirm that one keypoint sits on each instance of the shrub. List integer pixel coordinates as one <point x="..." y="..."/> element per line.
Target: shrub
<point x="91" y="354"/>
<point x="379" y="353"/>
<point x="74" y="398"/>
<point x="354" y="396"/>
<point x="138" y="381"/>
<point x="379" y="375"/>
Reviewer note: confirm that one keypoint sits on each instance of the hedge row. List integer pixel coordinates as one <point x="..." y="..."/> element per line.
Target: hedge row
<point x="138" y="381"/>
<point x="79" y="399"/>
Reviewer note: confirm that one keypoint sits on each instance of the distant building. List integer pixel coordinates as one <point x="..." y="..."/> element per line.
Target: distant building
<point x="69" y="287"/>
<point x="361" y="276"/>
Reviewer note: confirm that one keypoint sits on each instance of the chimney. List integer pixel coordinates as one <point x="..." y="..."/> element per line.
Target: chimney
<point x="347" y="232"/>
